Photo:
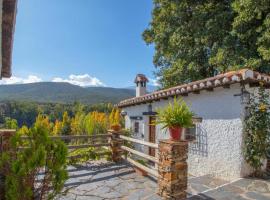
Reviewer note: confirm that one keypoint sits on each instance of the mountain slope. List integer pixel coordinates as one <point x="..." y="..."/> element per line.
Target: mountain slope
<point x="63" y="93"/>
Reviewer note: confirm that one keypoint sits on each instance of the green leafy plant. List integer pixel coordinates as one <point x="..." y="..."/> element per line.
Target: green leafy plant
<point x="257" y="130"/>
<point x="176" y="114"/>
<point x="38" y="171"/>
<point x="142" y="162"/>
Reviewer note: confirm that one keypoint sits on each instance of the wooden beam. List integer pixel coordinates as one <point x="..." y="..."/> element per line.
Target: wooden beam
<point x="67" y="137"/>
<point x="139" y="165"/>
<point x="82" y="146"/>
<point x="149" y="144"/>
<point x="138" y="153"/>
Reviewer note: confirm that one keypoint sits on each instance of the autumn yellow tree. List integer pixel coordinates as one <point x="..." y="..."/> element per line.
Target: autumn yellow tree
<point x="43" y="120"/>
<point x="66" y="124"/>
<point x="57" y="129"/>
<point x="76" y="124"/>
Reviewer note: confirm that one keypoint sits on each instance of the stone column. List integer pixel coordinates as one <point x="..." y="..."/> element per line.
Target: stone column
<point x="172" y="169"/>
<point x="5" y="136"/>
<point x="115" y="144"/>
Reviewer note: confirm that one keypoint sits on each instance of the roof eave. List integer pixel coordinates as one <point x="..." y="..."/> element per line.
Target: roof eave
<point x="9" y="11"/>
<point x="243" y="76"/>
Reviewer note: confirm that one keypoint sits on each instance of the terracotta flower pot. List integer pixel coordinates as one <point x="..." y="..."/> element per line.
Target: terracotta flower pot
<point x="175" y="132"/>
<point x="140" y="171"/>
<point x="116" y="127"/>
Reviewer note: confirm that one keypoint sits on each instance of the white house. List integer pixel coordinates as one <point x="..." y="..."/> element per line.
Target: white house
<point x="220" y="101"/>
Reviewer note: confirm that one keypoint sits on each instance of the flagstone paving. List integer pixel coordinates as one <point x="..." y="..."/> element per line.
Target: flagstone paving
<point x="102" y="180"/>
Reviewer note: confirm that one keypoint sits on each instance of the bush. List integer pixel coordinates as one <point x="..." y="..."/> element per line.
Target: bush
<point x="38" y="171"/>
<point x="257" y="130"/>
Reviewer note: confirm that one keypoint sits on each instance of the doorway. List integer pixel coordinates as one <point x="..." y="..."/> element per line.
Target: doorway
<point x="152" y="134"/>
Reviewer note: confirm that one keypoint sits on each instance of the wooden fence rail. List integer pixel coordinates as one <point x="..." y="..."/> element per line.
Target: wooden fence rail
<point x="149" y="144"/>
<point x="67" y="137"/>
<point x="139" y="165"/>
<point x="138" y="153"/>
<point x="87" y="146"/>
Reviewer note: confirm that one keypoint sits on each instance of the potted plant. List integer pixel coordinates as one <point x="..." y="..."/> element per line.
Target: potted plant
<point x="175" y="117"/>
<point x="115" y="120"/>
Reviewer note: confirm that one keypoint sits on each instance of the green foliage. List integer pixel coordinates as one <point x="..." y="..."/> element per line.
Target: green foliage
<point x="197" y="39"/>
<point x="252" y="27"/>
<point x="66" y="128"/>
<point x="10" y="123"/>
<point x="257" y="130"/>
<point x="83" y="155"/>
<point x="26" y="112"/>
<point x="143" y="162"/>
<point x="23" y="168"/>
<point x="177" y="114"/>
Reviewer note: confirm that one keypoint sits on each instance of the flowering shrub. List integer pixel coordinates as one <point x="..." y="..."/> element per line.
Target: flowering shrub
<point x="257" y="130"/>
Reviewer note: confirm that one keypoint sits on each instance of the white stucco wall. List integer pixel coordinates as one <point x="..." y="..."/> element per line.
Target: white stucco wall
<point x="218" y="150"/>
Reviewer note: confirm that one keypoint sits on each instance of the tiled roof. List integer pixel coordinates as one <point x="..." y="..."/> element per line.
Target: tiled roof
<point x="221" y="80"/>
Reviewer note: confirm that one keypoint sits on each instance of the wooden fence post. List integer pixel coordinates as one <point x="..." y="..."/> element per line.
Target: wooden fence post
<point x="172" y="169"/>
<point x="5" y="136"/>
<point x="115" y="144"/>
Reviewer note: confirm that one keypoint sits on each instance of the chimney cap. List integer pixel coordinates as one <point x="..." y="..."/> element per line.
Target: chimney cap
<point x="140" y="78"/>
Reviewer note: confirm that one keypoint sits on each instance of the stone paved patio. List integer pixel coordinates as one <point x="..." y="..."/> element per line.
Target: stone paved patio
<point x="104" y="180"/>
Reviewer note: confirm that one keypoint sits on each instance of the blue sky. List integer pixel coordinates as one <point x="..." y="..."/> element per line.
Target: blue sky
<point x="96" y="41"/>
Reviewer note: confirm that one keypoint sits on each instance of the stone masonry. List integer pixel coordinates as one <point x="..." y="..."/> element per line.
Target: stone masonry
<point x="115" y="144"/>
<point x="172" y="169"/>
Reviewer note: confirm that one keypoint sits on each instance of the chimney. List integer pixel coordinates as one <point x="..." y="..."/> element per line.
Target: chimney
<point x="140" y="81"/>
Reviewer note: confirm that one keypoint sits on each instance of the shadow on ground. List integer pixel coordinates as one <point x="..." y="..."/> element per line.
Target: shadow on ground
<point x="102" y="180"/>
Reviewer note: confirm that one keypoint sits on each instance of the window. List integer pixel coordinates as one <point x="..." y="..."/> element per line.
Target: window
<point x="136" y="127"/>
<point x="199" y="144"/>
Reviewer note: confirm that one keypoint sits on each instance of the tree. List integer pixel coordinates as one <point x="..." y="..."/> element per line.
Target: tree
<point x="66" y="129"/>
<point x="252" y="27"/>
<point x="38" y="171"/>
<point x="10" y="123"/>
<point x="198" y="39"/>
<point x="57" y="129"/>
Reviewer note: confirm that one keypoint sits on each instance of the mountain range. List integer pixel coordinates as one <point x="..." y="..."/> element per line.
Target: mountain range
<point x="54" y="92"/>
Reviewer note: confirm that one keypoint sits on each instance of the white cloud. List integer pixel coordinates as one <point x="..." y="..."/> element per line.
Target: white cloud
<point x="84" y="80"/>
<point x="154" y="82"/>
<point x="20" y="80"/>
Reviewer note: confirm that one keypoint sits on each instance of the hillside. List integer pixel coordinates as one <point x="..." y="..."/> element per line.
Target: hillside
<point x="63" y="93"/>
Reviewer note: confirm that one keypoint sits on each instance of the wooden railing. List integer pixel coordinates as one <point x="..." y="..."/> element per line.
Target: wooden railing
<point x="92" y="140"/>
<point x="169" y="152"/>
<point x="151" y="171"/>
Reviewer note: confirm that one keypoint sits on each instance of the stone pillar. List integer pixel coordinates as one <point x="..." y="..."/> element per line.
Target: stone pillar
<point x="5" y="136"/>
<point x="172" y="169"/>
<point x="115" y="144"/>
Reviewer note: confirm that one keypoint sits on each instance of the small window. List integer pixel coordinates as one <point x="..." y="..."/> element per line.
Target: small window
<point x="190" y="133"/>
<point x="136" y="127"/>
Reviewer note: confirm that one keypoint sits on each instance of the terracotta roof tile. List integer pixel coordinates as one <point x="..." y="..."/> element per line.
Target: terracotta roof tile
<point x="244" y="75"/>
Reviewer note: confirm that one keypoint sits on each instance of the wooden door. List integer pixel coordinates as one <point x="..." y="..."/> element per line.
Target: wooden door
<point x="152" y="134"/>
